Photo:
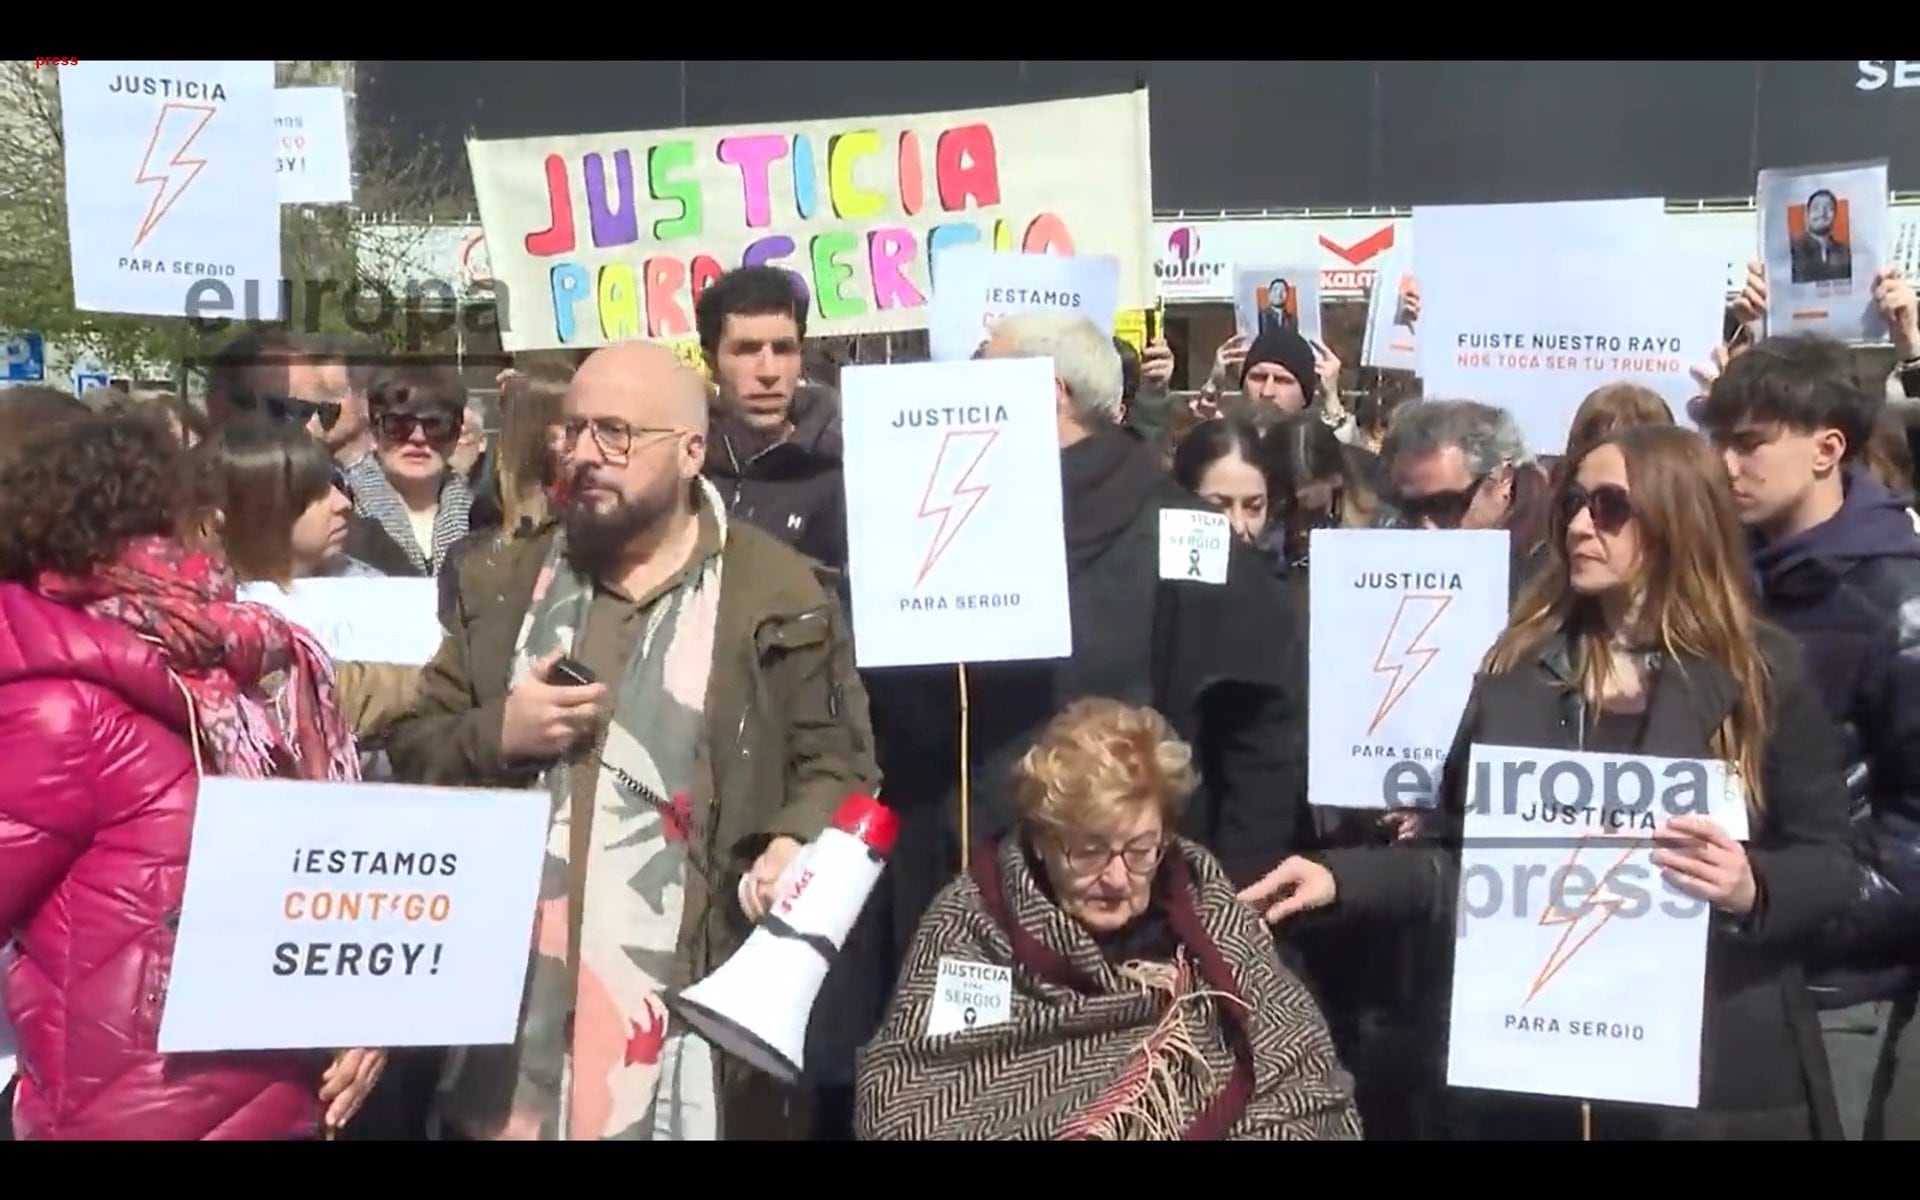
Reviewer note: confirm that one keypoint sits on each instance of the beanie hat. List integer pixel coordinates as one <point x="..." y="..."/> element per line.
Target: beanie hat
<point x="1289" y="350"/>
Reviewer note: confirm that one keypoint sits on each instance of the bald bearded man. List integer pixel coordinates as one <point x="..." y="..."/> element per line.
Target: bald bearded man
<point x="708" y="722"/>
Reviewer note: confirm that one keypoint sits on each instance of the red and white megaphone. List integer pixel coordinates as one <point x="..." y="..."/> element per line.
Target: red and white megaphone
<point x="756" y="1005"/>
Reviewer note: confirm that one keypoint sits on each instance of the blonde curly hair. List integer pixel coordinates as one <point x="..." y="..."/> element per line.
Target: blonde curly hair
<point x="1098" y="763"/>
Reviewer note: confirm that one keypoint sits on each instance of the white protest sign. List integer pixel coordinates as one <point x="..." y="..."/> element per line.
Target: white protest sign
<point x="361" y="619"/>
<point x="1824" y="236"/>
<point x="1579" y="971"/>
<point x="969" y="995"/>
<point x="956" y="550"/>
<point x="1397" y="623"/>
<point x="973" y="287"/>
<point x="1533" y="306"/>
<point x="169" y="183"/>
<point x="310" y="146"/>
<point x="328" y="915"/>
<point x="1194" y="545"/>
<point x="1274" y="298"/>
<point x="1391" y="342"/>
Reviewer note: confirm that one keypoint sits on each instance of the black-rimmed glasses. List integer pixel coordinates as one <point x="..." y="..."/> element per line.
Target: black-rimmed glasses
<point x="612" y="436"/>
<point x="1141" y="855"/>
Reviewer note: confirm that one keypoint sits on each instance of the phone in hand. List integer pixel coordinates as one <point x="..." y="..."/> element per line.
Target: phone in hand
<point x="571" y="672"/>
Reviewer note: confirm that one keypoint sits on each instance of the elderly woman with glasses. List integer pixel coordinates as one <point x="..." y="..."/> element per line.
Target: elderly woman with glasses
<point x="1093" y="977"/>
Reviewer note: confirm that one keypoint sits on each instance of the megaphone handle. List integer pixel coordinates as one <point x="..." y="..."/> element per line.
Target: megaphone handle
<point x="966" y="773"/>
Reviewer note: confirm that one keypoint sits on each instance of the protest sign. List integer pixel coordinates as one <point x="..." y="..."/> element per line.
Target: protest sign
<point x="598" y="238"/>
<point x="361" y="619"/>
<point x="1531" y="307"/>
<point x="325" y="915"/>
<point x="1391" y="343"/>
<point x="1398" y="621"/>
<point x="170" y="181"/>
<point x="1579" y="970"/>
<point x="310" y="140"/>
<point x="1282" y="297"/>
<point x="1824" y="236"/>
<point x="974" y="287"/>
<point x="955" y="543"/>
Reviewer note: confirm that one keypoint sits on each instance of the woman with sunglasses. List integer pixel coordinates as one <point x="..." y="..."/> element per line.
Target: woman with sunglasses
<point x="1640" y="637"/>
<point x="415" y="505"/>
<point x="272" y="500"/>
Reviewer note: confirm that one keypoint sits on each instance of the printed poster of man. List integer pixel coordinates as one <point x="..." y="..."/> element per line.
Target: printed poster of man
<point x="1266" y="299"/>
<point x="1823" y="236"/>
<point x="1390" y="343"/>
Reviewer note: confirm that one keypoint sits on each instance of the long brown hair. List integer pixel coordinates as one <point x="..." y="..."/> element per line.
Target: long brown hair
<point x="260" y="478"/>
<point x="1696" y="602"/>
<point x="523" y="463"/>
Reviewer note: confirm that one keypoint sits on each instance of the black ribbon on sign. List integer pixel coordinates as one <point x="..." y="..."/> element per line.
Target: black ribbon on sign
<point x="1193" y="563"/>
<point x="970" y="1017"/>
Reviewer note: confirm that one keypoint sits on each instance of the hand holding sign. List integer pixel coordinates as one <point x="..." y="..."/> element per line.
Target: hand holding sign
<point x="1702" y="860"/>
<point x="347" y="1083"/>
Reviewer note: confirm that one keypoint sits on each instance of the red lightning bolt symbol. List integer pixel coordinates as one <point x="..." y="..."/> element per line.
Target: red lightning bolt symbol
<point x="1394" y="661"/>
<point x="961" y="491"/>
<point x="165" y="195"/>
<point x="1602" y="901"/>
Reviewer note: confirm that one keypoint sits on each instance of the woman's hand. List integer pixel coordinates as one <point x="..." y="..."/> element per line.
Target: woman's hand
<point x="1295" y="886"/>
<point x="1701" y="860"/>
<point x="344" y="1088"/>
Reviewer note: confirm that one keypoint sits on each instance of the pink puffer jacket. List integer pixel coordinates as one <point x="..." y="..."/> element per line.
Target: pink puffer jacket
<point x="97" y="789"/>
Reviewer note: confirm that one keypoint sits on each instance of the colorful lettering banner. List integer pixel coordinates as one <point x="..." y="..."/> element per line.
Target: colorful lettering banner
<point x="601" y="238"/>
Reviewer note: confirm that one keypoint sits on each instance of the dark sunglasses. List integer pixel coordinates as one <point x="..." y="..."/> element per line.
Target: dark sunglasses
<point x="1445" y="510"/>
<point x="399" y="426"/>
<point x="1609" y="505"/>
<point x="291" y="409"/>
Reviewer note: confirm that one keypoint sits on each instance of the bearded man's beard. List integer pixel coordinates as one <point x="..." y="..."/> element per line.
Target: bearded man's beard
<point x="596" y="538"/>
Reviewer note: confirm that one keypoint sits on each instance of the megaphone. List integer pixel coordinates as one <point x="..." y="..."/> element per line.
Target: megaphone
<point x="756" y="1005"/>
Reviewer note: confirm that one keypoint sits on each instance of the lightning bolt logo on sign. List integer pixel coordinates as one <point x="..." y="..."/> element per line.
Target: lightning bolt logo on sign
<point x="1404" y="655"/>
<point x="1581" y="922"/>
<point x="169" y="160"/>
<point x="951" y="493"/>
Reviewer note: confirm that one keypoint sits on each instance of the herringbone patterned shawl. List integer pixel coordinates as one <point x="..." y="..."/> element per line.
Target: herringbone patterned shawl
<point x="1225" y="1044"/>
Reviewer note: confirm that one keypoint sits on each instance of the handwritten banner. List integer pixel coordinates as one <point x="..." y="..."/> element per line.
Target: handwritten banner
<point x="600" y="238"/>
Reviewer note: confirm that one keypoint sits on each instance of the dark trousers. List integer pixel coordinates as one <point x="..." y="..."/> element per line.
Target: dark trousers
<point x="6" y="1112"/>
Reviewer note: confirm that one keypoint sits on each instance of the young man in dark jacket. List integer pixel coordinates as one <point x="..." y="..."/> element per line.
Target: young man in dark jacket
<point x="1837" y="563"/>
<point x="775" y="450"/>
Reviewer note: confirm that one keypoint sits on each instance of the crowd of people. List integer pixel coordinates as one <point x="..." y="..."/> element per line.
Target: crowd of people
<point x="1196" y="951"/>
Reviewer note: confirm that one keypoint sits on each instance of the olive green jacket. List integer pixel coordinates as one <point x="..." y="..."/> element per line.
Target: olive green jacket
<point x="786" y="714"/>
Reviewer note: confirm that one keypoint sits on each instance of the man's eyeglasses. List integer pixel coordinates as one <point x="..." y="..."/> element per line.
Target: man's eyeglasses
<point x="1141" y="855"/>
<point x="1610" y="505"/>
<point x="399" y="426"/>
<point x="612" y="436"/>
<point x="290" y="409"/>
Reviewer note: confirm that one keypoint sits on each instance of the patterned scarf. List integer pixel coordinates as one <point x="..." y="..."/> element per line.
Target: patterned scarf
<point x="1217" y="1043"/>
<point x="375" y="499"/>
<point x="222" y="650"/>
<point x="619" y="1074"/>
